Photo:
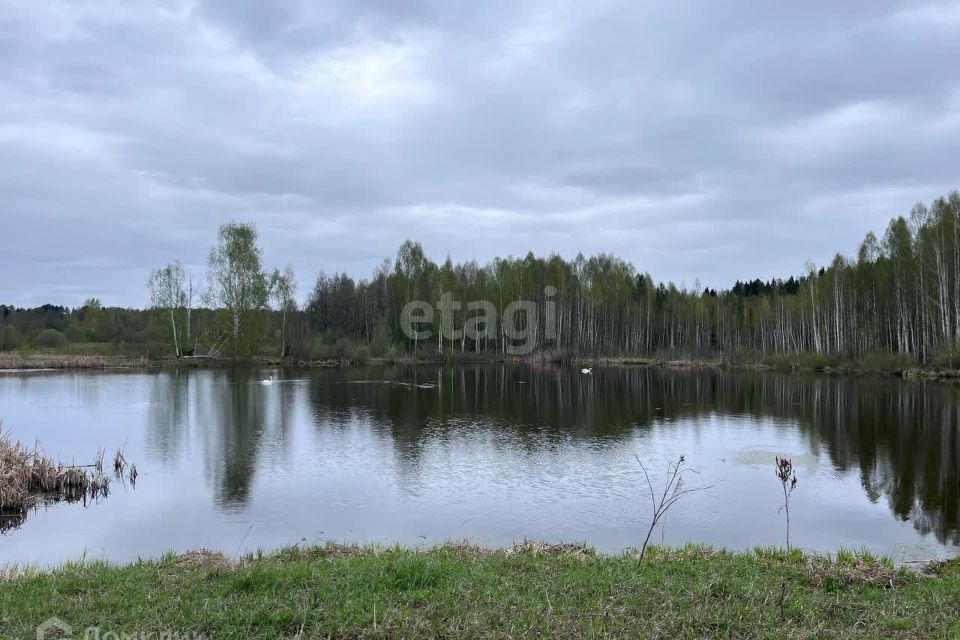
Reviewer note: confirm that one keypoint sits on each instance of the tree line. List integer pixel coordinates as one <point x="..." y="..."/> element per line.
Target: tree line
<point x="900" y="294"/>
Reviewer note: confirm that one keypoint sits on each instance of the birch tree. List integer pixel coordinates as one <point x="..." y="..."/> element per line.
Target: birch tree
<point x="283" y="293"/>
<point x="238" y="285"/>
<point x="167" y="294"/>
<point x="898" y="296"/>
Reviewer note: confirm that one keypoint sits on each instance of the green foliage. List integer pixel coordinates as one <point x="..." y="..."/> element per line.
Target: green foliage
<point x="381" y="343"/>
<point x="340" y="349"/>
<point x="10" y="338"/>
<point x="531" y="591"/>
<point x="169" y="296"/>
<point x="239" y="288"/>
<point x="792" y="360"/>
<point x="901" y="295"/>
<point x="895" y="307"/>
<point x="885" y="362"/>
<point x="946" y="359"/>
<point x="285" y="285"/>
<point x="50" y="339"/>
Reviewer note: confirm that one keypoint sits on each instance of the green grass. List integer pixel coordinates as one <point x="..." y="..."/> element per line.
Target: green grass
<point x="534" y="591"/>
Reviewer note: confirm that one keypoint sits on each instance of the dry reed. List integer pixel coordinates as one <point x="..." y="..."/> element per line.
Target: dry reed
<point x="51" y="361"/>
<point x="119" y="463"/>
<point x="70" y="361"/>
<point x="29" y="478"/>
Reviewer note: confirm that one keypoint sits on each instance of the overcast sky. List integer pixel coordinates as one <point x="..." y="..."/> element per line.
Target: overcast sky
<point x="698" y="139"/>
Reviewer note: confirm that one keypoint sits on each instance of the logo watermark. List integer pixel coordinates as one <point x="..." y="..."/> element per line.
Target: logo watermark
<point x="56" y="628"/>
<point x="522" y="325"/>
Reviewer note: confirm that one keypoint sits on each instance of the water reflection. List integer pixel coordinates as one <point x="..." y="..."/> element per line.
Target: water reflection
<point x="502" y="451"/>
<point x="167" y="429"/>
<point x="903" y="438"/>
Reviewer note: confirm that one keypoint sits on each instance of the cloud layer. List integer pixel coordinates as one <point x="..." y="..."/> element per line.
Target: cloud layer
<point x="697" y="139"/>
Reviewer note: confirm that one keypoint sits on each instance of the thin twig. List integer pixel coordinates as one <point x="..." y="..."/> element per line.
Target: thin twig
<point x="672" y="492"/>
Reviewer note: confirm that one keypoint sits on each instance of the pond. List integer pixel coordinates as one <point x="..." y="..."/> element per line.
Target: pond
<point x="489" y="453"/>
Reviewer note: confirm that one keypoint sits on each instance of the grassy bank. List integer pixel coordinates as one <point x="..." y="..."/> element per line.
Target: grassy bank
<point x="70" y="361"/>
<point x="531" y="591"/>
<point x="883" y="364"/>
<point x="890" y="365"/>
<point x="66" y="361"/>
<point x="52" y="361"/>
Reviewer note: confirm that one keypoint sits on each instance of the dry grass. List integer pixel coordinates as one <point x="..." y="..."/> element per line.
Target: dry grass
<point x="204" y="559"/>
<point x="333" y="550"/>
<point x="537" y="548"/>
<point x="119" y="463"/>
<point x="941" y="567"/>
<point x="849" y="569"/>
<point x="9" y="573"/>
<point x="51" y="361"/>
<point x="29" y="478"/>
<point x="67" y="361"/>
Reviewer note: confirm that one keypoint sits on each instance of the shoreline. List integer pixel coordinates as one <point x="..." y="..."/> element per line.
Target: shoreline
<point x="15" y="363"/>
<point x="532" y="590"/>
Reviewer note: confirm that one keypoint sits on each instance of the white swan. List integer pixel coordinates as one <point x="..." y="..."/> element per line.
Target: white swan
<point x="586" y="370"/>
<point x="267" y="383"/>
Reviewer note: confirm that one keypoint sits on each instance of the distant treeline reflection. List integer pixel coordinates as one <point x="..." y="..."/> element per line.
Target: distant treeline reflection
<point x="901" y="438"/>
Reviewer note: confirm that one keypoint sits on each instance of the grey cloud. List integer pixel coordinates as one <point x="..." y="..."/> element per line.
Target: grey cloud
<point x="697" y="139"/>
<point x="627" y="178"/>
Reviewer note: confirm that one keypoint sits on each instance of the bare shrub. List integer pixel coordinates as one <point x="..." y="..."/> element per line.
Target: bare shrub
<point x="672" y="492"/>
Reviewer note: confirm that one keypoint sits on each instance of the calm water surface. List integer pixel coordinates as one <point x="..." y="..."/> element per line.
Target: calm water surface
<point x="490" y="453"/>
